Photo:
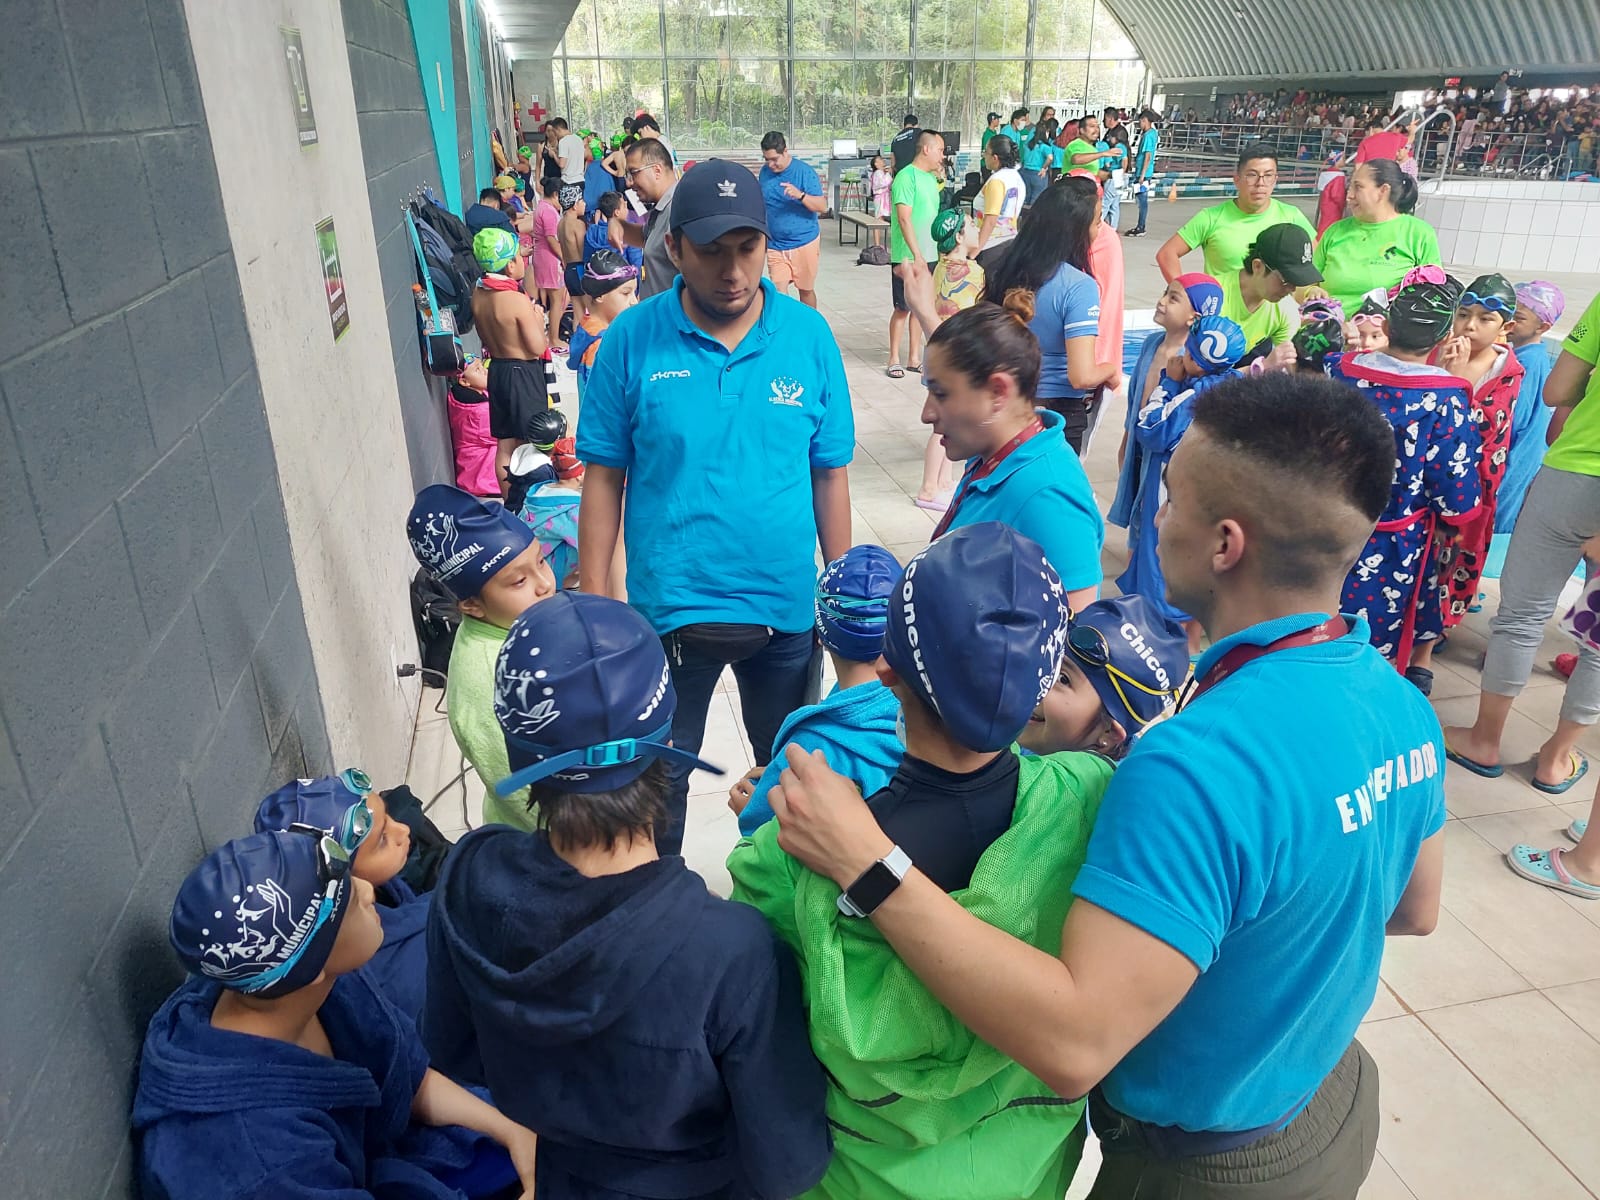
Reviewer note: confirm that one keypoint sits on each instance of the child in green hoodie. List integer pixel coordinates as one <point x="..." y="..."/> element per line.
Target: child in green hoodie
<point x="490" y="561"/>
<point x="919" y="1105"/>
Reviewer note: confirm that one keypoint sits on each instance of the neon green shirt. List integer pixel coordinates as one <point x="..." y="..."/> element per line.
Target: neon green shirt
<point x="1268" y="320"/>
<point x="919" y="189"/>
<point x="1578" y="447"/>
<point x="1357" y="256"/>
<point x="469" y="698"/>
<point x="1075" y="147"/>
<point x="1224" y="232"/>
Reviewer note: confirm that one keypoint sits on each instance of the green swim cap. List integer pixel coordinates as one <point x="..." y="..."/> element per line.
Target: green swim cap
<point x="494" y="249"/>
<point x="947" y="227"/>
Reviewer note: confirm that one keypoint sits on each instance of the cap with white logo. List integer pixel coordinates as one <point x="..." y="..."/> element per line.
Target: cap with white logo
<point x="716" y="197"/>
<point x="1286" y="249"/>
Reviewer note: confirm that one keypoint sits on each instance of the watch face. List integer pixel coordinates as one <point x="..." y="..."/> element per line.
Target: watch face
<point x="873" y="888"/>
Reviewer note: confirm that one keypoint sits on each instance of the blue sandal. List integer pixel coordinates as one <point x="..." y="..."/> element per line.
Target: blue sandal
<point x="1544" y="868"/>
<point x="1580" y="768"/>
<point x="1477" y="768"/>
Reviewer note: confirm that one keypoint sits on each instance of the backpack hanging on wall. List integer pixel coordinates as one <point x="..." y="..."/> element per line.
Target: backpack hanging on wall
<point x="442" y="352"/>
<point x="436" y="616"/>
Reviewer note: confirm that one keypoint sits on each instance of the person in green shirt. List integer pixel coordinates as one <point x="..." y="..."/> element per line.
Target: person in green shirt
<point x="1224" y="231"/>
<point x="990" y="130"/>
<point x="914" y="202"/>
<point x="488" y="559"/>
<point x="1380" y="241"/>
<point x="1081" y="156"/>
<point x="1277" y="262"/>
<point x="1559" y="518"/>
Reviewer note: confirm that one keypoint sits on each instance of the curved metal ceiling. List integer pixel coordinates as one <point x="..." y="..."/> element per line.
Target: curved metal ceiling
<point x="1204" y="40"/>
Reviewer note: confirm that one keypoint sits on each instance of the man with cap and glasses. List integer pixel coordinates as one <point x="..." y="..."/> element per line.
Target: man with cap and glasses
<point x="923" y="1107"/>
<point x="650" y="1032"/>
<point x="1250" y="854"/>
<point x="1276" y="264"/>
<point x="723" y="406"/>
<point x="279" y="1068"/>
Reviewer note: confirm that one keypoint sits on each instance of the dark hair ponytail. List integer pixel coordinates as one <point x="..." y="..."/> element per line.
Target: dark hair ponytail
<point x="990" y="339"/>
<point x="1058" y="230"/>
<point x="1004" y="151"/>
<point x="1402" y="188"/>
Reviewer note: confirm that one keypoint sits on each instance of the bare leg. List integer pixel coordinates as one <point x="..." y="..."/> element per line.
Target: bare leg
<point x="897" y="325"/>
<point x="504" y="447"/>
<point x="1583" y="860"/>
<point x="919" y="294"/>
<point x="807" y="297"/>
<point x="555" y="301"/>
<point x="936" y="470"/>
<point x="1481" y="742"/>
<point x="919" y="342"/>
<point x="1422" y="655"/>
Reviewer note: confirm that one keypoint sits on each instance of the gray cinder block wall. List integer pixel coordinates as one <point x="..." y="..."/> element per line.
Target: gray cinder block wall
<point x="155" y="672"/>
<point x="397" y="148"/>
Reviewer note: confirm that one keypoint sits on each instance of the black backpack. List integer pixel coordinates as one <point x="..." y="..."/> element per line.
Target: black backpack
<point x="873" y="256"/>
<point x="446" y="224"/>
<point x="428" y="846"/>
<point x="436" y="618"/>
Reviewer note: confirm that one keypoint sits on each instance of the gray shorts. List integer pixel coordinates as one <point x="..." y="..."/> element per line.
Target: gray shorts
<point x="1323" y="1154"/>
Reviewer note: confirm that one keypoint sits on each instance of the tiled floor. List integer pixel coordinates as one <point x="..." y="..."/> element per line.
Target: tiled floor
<point x="1487" y="1033"/>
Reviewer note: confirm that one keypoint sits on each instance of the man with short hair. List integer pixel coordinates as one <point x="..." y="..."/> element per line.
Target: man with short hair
<point x="723" y="406"/>
<point x="567" y="157"/>
<point x="914" y="200"/>
<point x="1144" y="167"/>
<point x="1239" y="935"/>
<point x="1224" y="231"/>
<point x="793" y="195"/>
<point x="487" y="213"/>
<point x="990" y="128"/>
<point x="1017" y="128"/>
<point x="903" y="146"/>
<point x="649" y="174"/>
<point x="1276" y="264"/>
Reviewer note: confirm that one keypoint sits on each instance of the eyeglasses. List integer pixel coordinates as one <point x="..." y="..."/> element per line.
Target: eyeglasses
<point x="632" y="171"/>
<point x="333" y="867"/>
<point x="1089" y="645"/>
<point x="1493" y="303"/>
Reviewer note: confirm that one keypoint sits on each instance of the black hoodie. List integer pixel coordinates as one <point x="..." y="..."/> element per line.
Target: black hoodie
<point x="650" y="1033"/>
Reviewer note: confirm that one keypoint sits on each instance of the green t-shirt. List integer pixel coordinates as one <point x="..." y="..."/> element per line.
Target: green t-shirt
<point x="920" y="190"/>
<point x="1578" y="447"/>
<point x="469" y="699"/>
<point x="1224" y="232"/>
<point x="987" y="134"/>
<point x="1075" y="147"/>
<point x="1357" y="256"/>
<point x="1268" y="320"/>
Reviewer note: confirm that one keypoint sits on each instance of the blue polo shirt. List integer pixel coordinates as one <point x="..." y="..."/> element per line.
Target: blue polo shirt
<point x="790" y="224"/>
<point x="719" y="447"/>
<point x="1266" y="833"/>
<point x="1040" y="490"/>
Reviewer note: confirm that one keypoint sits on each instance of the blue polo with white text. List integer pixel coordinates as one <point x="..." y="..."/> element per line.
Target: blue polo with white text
<point x="1266" y="833"/>
<point x="719" y="447"/>
<point x="1040" y="490"/>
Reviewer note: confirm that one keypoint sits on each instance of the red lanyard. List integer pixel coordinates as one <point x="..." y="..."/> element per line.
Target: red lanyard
<point x="984" y="469"/>
<point x="499" y="283"/>
<point x="1333" y="628"/>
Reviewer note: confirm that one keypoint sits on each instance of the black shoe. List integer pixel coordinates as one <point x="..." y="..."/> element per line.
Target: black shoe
<point x="1134" y="233"/>
<point x="1421" y="678"/>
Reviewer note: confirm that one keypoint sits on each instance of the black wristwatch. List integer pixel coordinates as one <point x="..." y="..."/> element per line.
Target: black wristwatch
<point x="875" y="885"/>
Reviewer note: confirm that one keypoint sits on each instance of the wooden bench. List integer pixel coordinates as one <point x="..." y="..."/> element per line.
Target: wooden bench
<point x="877" y="228"/>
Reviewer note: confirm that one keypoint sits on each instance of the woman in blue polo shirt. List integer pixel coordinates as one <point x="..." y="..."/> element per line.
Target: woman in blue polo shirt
<point x="982" y="370"/>
<point x="1049" y="261"/>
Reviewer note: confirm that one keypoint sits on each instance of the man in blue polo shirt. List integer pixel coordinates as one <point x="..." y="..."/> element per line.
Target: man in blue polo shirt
<point x="793" y="195"/>
<point x="1249" y="857"/>
<point x="723" y="406"/>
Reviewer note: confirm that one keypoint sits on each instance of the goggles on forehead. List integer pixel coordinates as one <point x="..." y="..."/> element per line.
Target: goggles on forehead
<point x="355" y="780"/>
<point x="1493" y="303"/>
<point x="333" y="868"/>
<point x="1089" y="645"/>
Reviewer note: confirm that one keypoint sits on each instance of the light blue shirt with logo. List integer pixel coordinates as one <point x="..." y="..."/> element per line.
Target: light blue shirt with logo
<point x="1266" y="833"/>
<point x="1040" y="490"/>
<point x="719" y="447"/>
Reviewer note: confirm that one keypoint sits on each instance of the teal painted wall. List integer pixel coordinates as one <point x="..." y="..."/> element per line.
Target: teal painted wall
<point x="430" y="29"/>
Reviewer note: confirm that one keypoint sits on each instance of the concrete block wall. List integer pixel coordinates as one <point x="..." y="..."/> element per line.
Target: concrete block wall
<point x="155" y="670"/>
<point x="397" y="149"/>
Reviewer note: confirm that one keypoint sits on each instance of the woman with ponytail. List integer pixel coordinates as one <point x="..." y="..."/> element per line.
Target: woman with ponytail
<point x="1049" y="261"/>
<point x="1379" y="241"/>
<point x="982" y="373"/>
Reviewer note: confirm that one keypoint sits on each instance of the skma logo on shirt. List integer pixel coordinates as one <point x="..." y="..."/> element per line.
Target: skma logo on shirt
<point x="660" y="375"/>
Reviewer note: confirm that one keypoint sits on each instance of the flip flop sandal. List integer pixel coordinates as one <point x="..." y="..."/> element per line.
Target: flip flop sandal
<point x="938" y="504"/>
<point x="1544" y="868"/>
<point x="1576" y="830"/>
<point x="1580" y="768"/>
<point x="1477" y="768"/>
<point x="895" y="371"/>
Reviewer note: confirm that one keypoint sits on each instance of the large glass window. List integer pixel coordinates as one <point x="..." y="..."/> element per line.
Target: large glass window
<point x="730" y="70"/>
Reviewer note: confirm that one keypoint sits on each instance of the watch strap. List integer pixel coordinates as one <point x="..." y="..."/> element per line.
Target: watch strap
<point x="896" y="864"/>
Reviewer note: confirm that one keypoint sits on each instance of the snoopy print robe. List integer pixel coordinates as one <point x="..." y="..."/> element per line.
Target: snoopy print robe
<point x="1395" y="582"/>
<point x="1461" y="566"/>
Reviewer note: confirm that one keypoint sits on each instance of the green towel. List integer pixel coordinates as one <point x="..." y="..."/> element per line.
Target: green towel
<point x="919" y="1105"/>
<point x="469" y="697"/>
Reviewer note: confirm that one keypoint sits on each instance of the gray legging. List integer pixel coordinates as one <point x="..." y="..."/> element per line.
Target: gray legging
<point x="1562" y="512"/>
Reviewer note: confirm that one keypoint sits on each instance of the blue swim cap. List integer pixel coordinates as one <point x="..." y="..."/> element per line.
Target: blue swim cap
<point x="852" y="602"/>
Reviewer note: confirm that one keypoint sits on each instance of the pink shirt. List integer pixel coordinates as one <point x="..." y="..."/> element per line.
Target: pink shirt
<point x="1105" y="264"/>
<point x="545" y="220"/>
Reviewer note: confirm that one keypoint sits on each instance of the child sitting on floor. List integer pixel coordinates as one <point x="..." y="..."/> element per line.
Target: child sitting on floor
<point x="650" y="1032"/>
<point x="1125" y="666"/>
<point x="610" y="285"/>
<point x="1213" y="345"/>
<point x="280" y="1069"/>
<point x="490" y="561"/>
<point x="346" y="807"/>
<point x="854" y="725"/>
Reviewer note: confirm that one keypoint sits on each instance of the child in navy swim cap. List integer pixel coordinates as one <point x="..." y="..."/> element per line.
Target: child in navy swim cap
<point x="280" y="1069"/>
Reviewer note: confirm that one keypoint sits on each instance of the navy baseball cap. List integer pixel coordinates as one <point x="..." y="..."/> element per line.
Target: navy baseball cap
<point x="717" y="196"/>
<point x="583" y="696"/>
<point x="461" y="540"/>
<point x="1134" y="657"/>
<point x="852" y="602"/>
<point x="334" y="804"/>
<point x="977" y="628"/>
<point x="260" y="914"/>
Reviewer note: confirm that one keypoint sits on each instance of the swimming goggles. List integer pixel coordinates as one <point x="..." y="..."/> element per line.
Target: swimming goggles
<point x="1089" y="645"/>
<point x="1493" y="303"/>
<point x="355" y="780"/>
<point x="333" y="868"/>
